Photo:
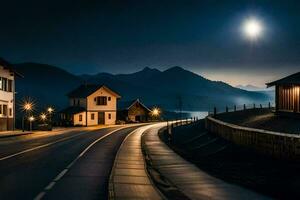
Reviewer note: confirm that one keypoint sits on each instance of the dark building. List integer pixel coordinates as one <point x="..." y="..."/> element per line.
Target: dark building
<point x="287" y="93"/>
<point x="133" y="111"/>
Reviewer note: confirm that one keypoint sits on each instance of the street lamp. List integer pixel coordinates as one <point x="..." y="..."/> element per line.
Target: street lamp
<point x="50" y="110"/>
<point x="43" y="117"/>
<point x="27" y="107"/>
<point x="155" y="112"/>
<point x="31" y="119"/>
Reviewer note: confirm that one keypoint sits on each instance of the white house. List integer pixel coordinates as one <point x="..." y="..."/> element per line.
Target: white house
<point x="7" y="95"/>
<point x="91" y="105"/>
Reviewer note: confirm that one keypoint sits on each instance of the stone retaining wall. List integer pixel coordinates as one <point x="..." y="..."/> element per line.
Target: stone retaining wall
<point x="279" y="145"/>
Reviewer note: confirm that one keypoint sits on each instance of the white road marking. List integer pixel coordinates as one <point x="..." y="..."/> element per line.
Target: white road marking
<point x="50" y="186"/>
<point x="41" y="146"/>
<point x="62" y="173"/>
<point x="40" y="196"/>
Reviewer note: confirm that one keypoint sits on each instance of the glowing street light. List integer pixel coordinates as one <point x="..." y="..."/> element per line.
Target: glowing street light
<point x="31" y="119"/>
<point x="50" y="110"/>
<point x="253" y="28"/>
<point x="27" y="106"/>
<point x="43" y="116"/>
<point x="155" y="112"/>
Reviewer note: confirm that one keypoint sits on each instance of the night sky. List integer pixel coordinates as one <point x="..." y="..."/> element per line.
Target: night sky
<point x="91" y="36"/>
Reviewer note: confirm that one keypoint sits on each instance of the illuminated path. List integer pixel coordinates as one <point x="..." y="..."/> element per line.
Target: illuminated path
<point x="191" y="181"/>
<point x="71" y="165"/>
<point x="129" y="178"/>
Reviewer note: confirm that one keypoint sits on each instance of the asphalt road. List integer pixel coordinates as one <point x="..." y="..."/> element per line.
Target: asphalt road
<point x="74" y="165"/>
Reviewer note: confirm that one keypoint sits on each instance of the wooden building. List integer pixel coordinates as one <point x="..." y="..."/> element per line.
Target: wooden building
<point x="7" y="95"/>
<point x="287" y="93"/>
<point x="90" y="105"/>
<point x="133" y="111"/>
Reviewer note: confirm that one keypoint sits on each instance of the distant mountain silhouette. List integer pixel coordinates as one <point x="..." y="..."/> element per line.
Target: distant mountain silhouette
<point x="46" y="84"/>
<point x="168" y="89"/>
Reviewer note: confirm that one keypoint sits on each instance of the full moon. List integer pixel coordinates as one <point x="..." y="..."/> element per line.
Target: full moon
<point x="253" y="28"/>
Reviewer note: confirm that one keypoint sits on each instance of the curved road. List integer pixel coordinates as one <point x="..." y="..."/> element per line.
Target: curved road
<point x="73" y="165"/>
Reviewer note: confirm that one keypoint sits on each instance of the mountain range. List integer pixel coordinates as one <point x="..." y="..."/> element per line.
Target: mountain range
<point x="172" y="89"/>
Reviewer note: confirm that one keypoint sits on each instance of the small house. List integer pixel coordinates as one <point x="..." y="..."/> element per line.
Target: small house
<point x="133" y="111"/>
<point x="7" y="95"/>
<point x="287" y="93"/>
<point x="91" y="105"/>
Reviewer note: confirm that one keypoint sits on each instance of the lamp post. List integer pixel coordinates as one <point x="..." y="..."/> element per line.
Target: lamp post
<point x="43" y="117"/>
<point x="27" y="107"/>
<point x="50" y="110"/>
<point x="155" y="112"/>
<point x="31" y="119"/>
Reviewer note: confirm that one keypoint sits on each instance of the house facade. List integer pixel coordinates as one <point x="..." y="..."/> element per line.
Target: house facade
<point x="91" y="105"/>
<point x="287" y="93"/>
<point x="7" y="95"/>
<point x="133" y="111"/>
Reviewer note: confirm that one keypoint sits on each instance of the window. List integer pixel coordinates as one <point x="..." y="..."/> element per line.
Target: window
<point x="10" y="112"/>
<point x="0" y="109"/>
<point x="1" y="87"/>
<point x="101" y="100"/>
<point x="80" y="118"/>
<point x="78" y="102"/>
<point x="10" y="86"/>
<point x="74" y="102"/>
<point x="109" y="116"/>
<point x="4" y="110"/>
<point x="92" y="116"/>
<point x="4" y="84"/>
<point x="109" y="98"/>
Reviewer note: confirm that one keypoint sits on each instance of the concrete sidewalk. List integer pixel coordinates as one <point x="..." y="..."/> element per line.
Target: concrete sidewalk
<point x="186" y="177"/>
<point x="129" y="178"/>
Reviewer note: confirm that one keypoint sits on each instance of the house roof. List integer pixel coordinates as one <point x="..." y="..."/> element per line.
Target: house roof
<point x="289" y="80"/>
<point x="9" y="66"/>
<point x="72" y="110"/>
<point x="126" y="105"/>
<point x="86" y="90"/>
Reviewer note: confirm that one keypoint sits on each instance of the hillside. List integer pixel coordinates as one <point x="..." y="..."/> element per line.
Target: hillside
<point x="49" y="85"/>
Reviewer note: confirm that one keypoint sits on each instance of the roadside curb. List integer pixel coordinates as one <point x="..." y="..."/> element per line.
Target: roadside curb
<point x="14" y="135"/>
<point x="166" y="187"/>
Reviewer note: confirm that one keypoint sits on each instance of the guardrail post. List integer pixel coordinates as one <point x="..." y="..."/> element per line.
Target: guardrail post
<point x="261" y="106"/>
<point x="269" y="105"/>
<point x="244" y="106"/>
<point x="234" y="108"/>
<point x="215" y="112"/>
<point x="254" y="106"/>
